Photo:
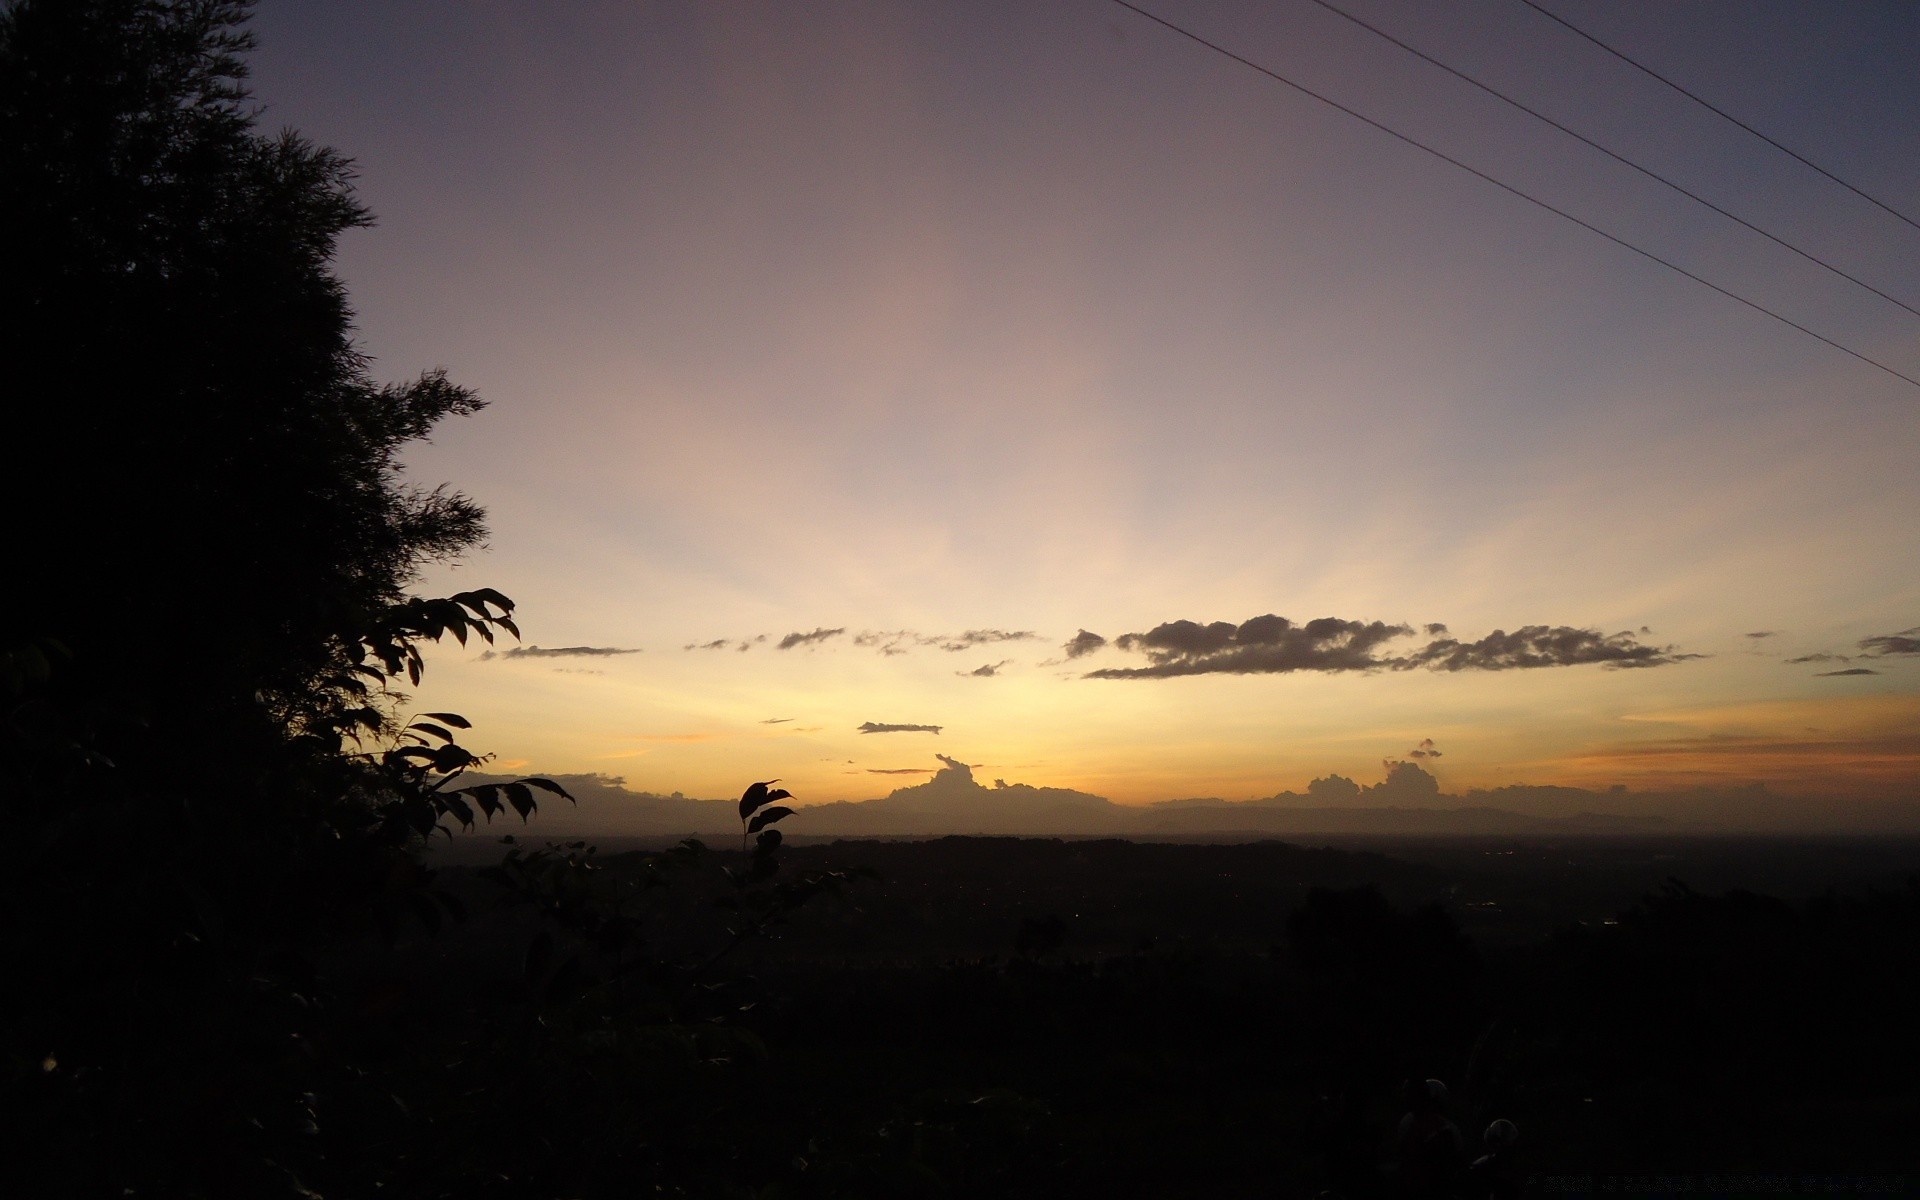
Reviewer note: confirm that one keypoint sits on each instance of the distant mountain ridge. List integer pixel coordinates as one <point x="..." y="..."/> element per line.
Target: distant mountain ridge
<point x="1407" y="803"/>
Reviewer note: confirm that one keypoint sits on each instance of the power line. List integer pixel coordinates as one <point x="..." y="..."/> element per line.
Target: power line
<point x="1507" y="187"/>
<point x="1717" y="111"/>
<point x="1615" y="155"/>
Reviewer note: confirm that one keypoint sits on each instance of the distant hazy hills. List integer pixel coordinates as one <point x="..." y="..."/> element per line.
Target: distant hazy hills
<point x="1407" y="802"/>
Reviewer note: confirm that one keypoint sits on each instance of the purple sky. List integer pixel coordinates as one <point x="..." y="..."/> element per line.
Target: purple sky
<point x="914" y="319"/>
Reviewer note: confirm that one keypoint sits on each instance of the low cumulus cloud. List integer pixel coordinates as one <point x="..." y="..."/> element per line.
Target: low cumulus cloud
<point x="822" y="634"/>
<point x="1541" y="646"/>
<point x="1271" y="644"/>
<point x="1263" y="645"/>
<point x="987" y="671"/>
<point x="883" y="727"/>
<point x="556" y="652"/>
<point x="1426" y="749"/>
<point x="1082" y="644"/>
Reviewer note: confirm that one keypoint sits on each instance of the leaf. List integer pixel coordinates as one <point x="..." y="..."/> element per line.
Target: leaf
<point x="439" y="731"/>
<point x="489" y="596"/>
<point x="452" y="758"/>
<point x="548" y="785"/>
<point x="487" y="796"/>
<point x="453" y="719"/>
<point x="767" y="817"/>
<point x="754" y="797"/>
<point x="461" y="810"/>
<point x="521" y="797"/>
<point x="507" y="624"/>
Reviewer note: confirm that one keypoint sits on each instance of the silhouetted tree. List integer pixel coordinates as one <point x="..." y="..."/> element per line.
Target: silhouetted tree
<point x="204" y="499"/>
<point x="210" y="540"/>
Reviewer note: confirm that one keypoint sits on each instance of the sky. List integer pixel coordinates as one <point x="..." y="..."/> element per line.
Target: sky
<point x="1124" y="420"/>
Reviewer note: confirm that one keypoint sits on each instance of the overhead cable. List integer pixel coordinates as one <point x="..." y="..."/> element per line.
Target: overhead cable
<point x="1717" y="111"/>
<point x="1507" y="187"/>
<point x="1615" y="155"/>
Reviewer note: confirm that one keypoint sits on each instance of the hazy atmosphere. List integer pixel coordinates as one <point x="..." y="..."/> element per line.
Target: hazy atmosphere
<point x="1030" y="385"/>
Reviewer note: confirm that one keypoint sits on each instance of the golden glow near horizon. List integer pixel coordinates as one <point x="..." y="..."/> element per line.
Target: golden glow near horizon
<point x="910" y="320"/>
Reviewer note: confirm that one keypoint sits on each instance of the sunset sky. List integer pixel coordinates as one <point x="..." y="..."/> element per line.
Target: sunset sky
<point x="847" y="361"/>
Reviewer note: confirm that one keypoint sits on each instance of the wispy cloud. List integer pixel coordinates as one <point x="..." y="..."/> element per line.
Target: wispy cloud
<point x="809" y="639"/>
<point x="1821" y="658"/>
<point x="740" y="644"/>
<point x="985" y="671"/>
<point x="982" y="637"/>
<point x="1907" y="641"/>
<point x="776" y="720"/>
<point x="557" y="652"/>
<point x="1848" y="671"/>
<point x="1274" y="645"/>
<point x="899" y="770"/>
<point x="1763" y="633"/>
<point x="880" y="727"/>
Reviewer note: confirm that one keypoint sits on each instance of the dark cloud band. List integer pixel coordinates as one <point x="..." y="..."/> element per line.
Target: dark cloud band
<point x="1273" y="645"/>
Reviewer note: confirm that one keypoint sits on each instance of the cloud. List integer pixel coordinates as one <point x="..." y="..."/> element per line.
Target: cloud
<point x="1907" y="641"/>
<point x="1083" y="644"/>
<point x="1848" y="671"/>
<point x="809" y="639"/>
<point x="887" y="642"/>
<point x="1274" y="645"/>
<point x="1821" y="658"/>
<point x="899" y="770"/>
<point x="878" y="727"/>
<point x="556" y="652"/>
<point x="741" y="644"/>
<point x="1425" y="749"/>
<point x="898" y="641"/>
<point x="1264" y="645"/>
<point x="984" y="672"/>
<point x="1540" y="646"/>
<point x="1763" y="633"/>
<point x="776" y="720"/>
<point x="675" y="737"/>
<point x="982" y="637"/>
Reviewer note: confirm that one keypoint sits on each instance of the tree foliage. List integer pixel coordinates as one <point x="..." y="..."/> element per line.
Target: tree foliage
<point x="207" y="497"/>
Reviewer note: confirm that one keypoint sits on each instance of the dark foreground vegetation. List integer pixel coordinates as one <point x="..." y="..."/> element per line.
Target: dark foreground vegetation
<point x="229" y="968"/>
